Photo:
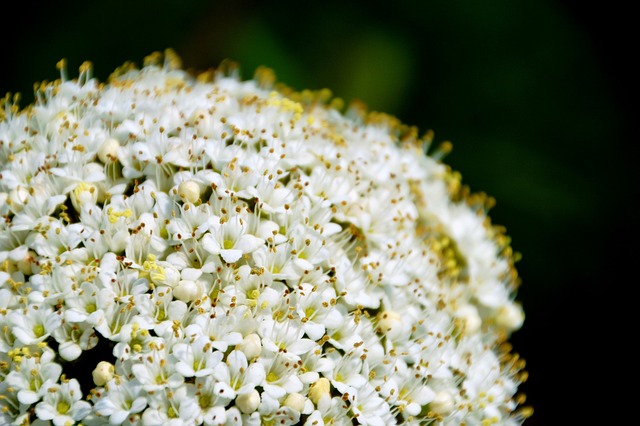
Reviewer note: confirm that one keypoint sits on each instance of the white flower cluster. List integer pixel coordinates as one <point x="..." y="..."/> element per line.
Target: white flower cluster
<point x="186" y="250"/>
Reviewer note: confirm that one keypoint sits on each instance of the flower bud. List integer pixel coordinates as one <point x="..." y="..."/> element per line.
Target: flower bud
<point x="248" y="402"/>
<point x="24" y="264"/>
<point x="171" y="276"/>
<point x="442" y="404"/>
<point x="510" y="317"/>
<point x="189" y="191"/>
<point x="108" y="151"/>
<point x="470" y="319"/>
<point x="103" y="372"/>
<point x="387" y="320"/>
<point x="390" y="324"/>
<point x="295" y="401"/>
<point x="187" y="291"/>
<point x="319" y="389"/>
<point x="251" y="346"/>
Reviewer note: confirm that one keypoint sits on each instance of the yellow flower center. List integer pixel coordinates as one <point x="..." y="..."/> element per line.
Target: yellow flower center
<point x="63" y="407"/>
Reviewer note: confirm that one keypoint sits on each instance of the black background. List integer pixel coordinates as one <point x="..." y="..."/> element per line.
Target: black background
<point x="538" y="98"/>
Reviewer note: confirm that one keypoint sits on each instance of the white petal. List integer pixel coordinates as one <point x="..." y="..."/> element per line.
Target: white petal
<point x="237" y="361"/>
<point x="224" y="390"/>
<point x="18" y="253"/>
<point x="210" y="244"/>
<point x="69" y="351"/>
<point x="248" y="243"/>
<point x="301" y="346"/>
<point x="118" y="417"/>
<point x="185" y="369"/>
<point x="276" y="392"/>
<point x="27" y="397"/>
<point x="314" y="330"/>
<point x="230" y="256"/>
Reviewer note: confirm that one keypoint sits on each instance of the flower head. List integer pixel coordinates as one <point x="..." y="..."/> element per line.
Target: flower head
<point x="209" y="250"/>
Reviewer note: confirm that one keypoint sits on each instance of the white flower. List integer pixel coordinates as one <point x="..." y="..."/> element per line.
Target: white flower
<point x="63" y="405"/>
<point x="11" y="409"/>
<point x="347" y="372"/>
<point x="230" y="239"/>
<point x="314" y="363"/>
<point x="176" y="407"/>
<point x="368" y="407"/>
<point x="159" y="310"/>
<point x="120" y="399"/>
<point x="281" y="375"/>
<point x="197" y="358"/>
<point x="406" y="391"/>
<point x="36" y="374"/>
<point x="156" y="371"/>
<point x="211" y="401"/>
<point x="285" y="337"/>
<point x="317" y="309"/>
<point x="216" y="251"/>
<point x="74" y="338"/>
<point x="134" y="341"/>
<point x="236" y="376"/>
<point x="35" y="324"/>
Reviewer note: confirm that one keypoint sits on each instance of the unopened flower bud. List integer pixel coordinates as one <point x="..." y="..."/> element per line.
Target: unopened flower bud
<point x="470" y="319"/>
<point x="251" y="346"/>
<point x="387" y="320"/>
<point x="390" y="324"/>
<point x="319" y="389"/>
<point x="171" y="276"/>
<point x="189" y="191"/>
<point x="108" y="151"/>
<point x="510" y="316"/>
<point x="295" y="401"/>
<point x="248" y="402"/>
<point x="103" y="372"/>
<point x="187" y="291"/>
<point x="442" y="404"/>
<point x="24" y="264"/>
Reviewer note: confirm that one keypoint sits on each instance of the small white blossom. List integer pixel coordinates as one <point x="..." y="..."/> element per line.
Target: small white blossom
<point x="36" y="374"/>
<point x="120" y="399"/>
<point x="197" y="358"/>
<point x="236" y="377"/>
<point x="231" y="240"/>
<point x="176" y="407"/>
<point x="442" y="403"/>
<point x="62" y="404"/>
<point x="156" y="371"/>
<point x="211" y="401"/>
<point x="34" y="325"/>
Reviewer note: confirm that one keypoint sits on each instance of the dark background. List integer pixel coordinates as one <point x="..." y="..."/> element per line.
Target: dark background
<point x="536" y="97"/>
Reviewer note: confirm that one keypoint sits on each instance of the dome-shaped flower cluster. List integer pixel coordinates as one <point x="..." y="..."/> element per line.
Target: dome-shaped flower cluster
<point x="186" y="250"/>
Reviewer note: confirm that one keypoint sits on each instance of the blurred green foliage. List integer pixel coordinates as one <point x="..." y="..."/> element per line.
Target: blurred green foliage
<point x="516" y="86"/>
